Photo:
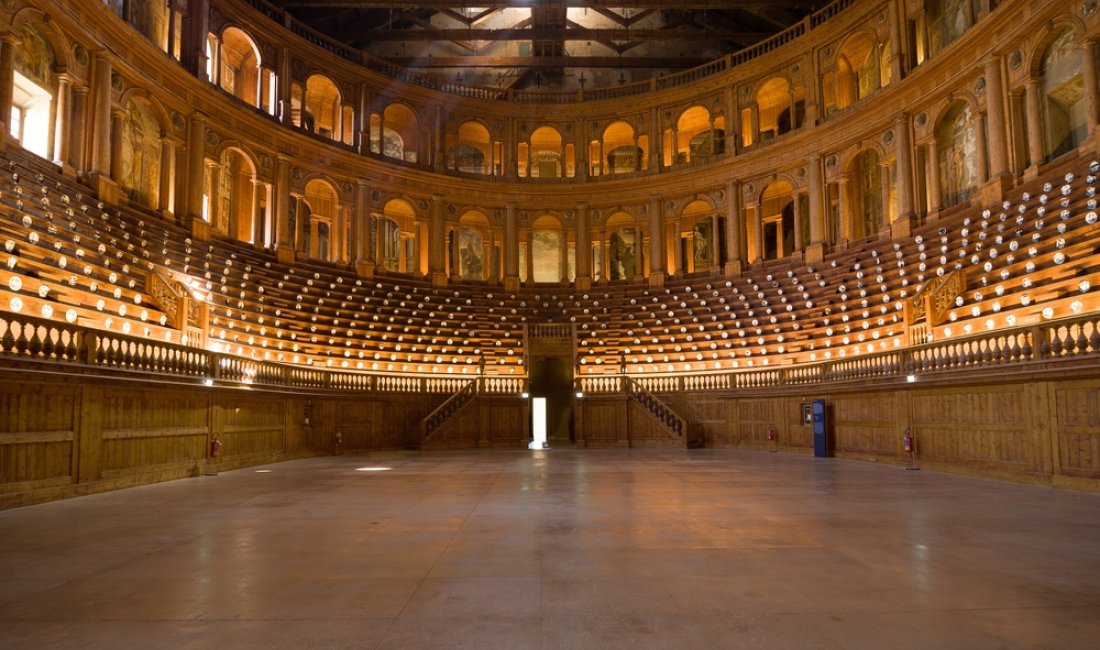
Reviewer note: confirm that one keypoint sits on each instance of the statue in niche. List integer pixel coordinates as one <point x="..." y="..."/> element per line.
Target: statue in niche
<point x="958" y="157"/>
<point x="702" y="239"/>
<point x="622" y="254"/>
<point x="470" y="253"/>
<point x="140" y="154"/>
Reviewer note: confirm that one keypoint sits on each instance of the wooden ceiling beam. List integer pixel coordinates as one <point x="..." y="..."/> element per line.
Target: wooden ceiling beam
<point x="526" y="4"/>
<point x="558" y="34"/>
<point x="548" y="62"/>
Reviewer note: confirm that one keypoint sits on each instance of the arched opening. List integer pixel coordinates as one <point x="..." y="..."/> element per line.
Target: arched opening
<point x="473" y="151"/>
<point x="543" y="155"/>
<point x="777" y="220"/>
<point x="322" y="226"/>
<point x="470" y="246"/>
<point x="398" y="136"/>
<point x="547" y="246"/>
<point x="140" y="149"/>
<point x="779" y="109"/>
<point x="868" y="215"/>
<point x="239" y="69"/>
<point x="235" y="214"/>
<point x="624" y="247"/>
<point x="698" y="135"/>
<point x="397" y="241"/>
<point x="956" y="147"/>
<point x="1064" y="112"/>
<point x="324" y="112"/>
<point x="33" y="91"/>
<point x="856" y="75"/>
<point x="698" y="238"/>
<point x="618" y="152"/>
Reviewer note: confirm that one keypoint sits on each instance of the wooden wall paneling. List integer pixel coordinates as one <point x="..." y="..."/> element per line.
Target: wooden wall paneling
<point x="1076" y="428"/>
<point x="984" y="427"/>
<point x="88" y="447"/>
<point x="645" y="431"/>
<point x="251" y="427"/>
<point x="36" y="436"/>
<point x="605" y="421"/>
<point x="756" y="416"/>
<point x="864" y="424"/>
<point x="146" y="428"/>
<point x="355" y="421"/>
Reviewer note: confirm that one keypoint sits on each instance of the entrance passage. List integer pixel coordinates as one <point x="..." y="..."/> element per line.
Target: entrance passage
<point x="552" y="379"/>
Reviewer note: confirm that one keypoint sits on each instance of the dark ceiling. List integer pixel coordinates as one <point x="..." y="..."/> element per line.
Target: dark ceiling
<point x="550" y="43"/>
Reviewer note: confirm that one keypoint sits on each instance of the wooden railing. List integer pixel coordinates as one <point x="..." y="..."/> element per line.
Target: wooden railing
<point x="1017" y="348"/>
<point x="930" y="306"/>
<point x="31" y="339"/>
<point x="434" y="421"/>
<point x="663" y="413"/>
<point x="462" y="397"/>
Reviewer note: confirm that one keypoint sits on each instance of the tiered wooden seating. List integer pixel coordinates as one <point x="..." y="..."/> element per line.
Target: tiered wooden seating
<point x="89" y="262"/>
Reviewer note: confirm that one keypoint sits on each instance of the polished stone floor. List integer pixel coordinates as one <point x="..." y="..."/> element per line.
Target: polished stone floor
<point x="557" y="549"/>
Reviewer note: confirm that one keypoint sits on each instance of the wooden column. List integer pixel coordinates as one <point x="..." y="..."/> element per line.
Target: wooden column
<point x="679" y="265"/>
<point x="280" y="207"/>
<point x="981" y="159"/>
<point x="995" y="119"/>
<point x="437" y="254"/>
<point x="816" y="250"/>
<point x="62" y="120"/>
<point x="77" y="132"/>
<point x="843" y="207"/>
<point x="584" y="248"/>
<point x="362" y="118"/>
<point x="715" y="248"/>
<point x="8" y="42"/>
<point x="303" y="225"/>
<point x="196" y="167"/>
<point x="511" y="247"/>
<point x="734" y="227"/>
<point x="904" y="169"/>
<point x="657" y="252"/>
<point x="896" y="16"/>
<point x="167" y="199"/>
<point x="101" y="115"/>
<point x="757" y="230"/>
<point x="934" y="200"/>
<point x="362" y="251"/>
<point x="117" y="120"/>
<point x="196" y="26"/>
<point x="798" y="198"/>
<point x="1036" y="148"/>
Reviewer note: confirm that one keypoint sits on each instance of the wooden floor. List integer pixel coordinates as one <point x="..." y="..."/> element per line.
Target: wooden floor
<point x="557" y="549"/>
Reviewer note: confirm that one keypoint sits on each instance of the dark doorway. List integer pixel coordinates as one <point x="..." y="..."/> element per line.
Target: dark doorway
<point x="552" y="378"/>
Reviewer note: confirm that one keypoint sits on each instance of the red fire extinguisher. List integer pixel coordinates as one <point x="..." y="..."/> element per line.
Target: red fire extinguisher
<point x="771" y="434"/>
<point x="339" y="442"/>
<point x="215" y="446"/>
<point x="907" y="440"/>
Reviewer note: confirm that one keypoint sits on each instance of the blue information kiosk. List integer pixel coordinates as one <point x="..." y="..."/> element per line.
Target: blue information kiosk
<point x="821" y="438"/>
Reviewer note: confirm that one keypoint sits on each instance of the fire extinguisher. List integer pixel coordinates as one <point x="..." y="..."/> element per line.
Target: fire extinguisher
<point x="771" y="434"/>
<point x="215" y="446"/>
<point x="907" y="440"/>
<point x="339" y="442"/>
